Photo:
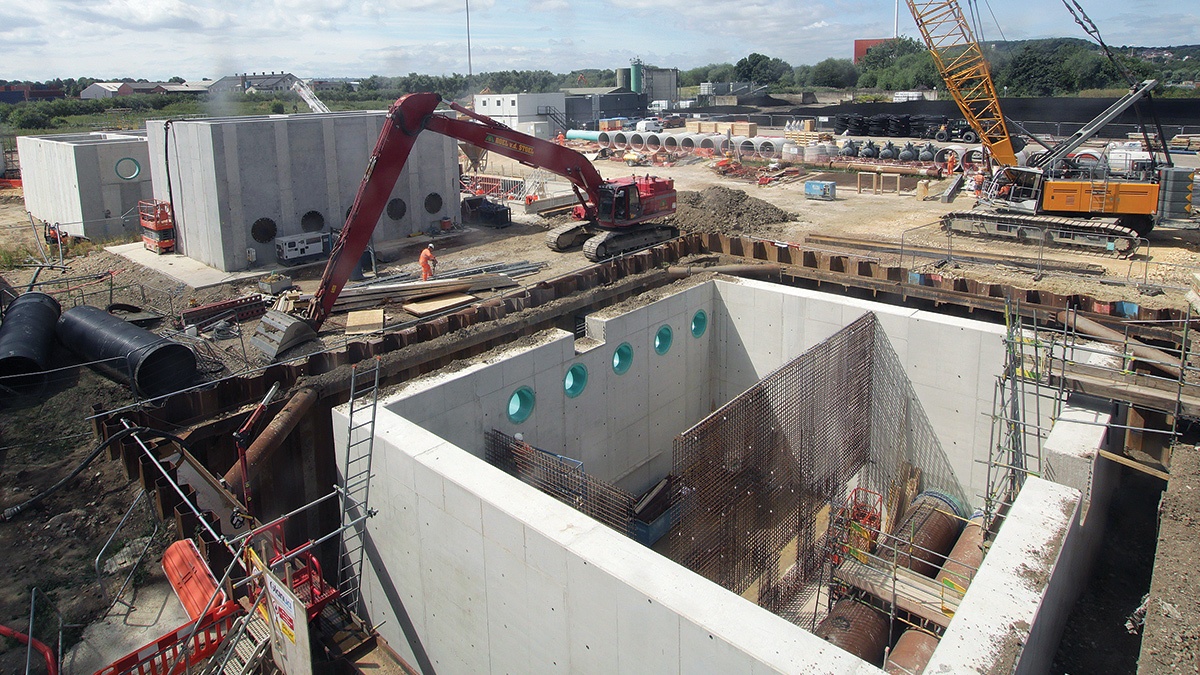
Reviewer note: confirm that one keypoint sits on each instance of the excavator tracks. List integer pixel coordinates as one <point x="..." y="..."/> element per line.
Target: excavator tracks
<point x="611" y="243"/>
<point x="1094" y="234"/>
<point x="566" y="237"/>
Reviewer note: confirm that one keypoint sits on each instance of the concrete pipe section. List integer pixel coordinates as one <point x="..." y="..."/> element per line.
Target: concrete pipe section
<point x="620" y="140"/>
<point x="653" y="142"/>
<point x="691" y="141"/>
<point x="637" y="141"/>
<point x="153" y="365"/>
<point x="604" y="139"/>
<point x="670" y="142"/>
<point x="911" y="653"/>
<point x="26" y="338"/>
<point x="856" y="628"/>
<point x="713" y="142"/>
<point x="767" y="148"/>
<point x="943" y="157"/>
<point x="925" y="534"/>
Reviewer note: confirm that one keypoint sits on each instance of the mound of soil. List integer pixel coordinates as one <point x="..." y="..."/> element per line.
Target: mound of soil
<point x="721" y="210"/>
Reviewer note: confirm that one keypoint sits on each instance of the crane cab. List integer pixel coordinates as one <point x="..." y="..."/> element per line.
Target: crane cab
<point x="628" y="201"/>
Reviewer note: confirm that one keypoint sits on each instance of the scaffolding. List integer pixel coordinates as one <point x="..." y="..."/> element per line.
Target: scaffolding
<point x="1153" y="388"/>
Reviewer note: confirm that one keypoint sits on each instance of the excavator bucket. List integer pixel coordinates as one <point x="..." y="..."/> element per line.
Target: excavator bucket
<point x="278" y="332"/>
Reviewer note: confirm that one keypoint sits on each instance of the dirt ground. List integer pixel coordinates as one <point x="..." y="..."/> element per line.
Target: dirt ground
<point x="43" y="440"/>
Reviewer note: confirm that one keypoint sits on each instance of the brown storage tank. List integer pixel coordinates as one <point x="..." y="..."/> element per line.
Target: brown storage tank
<point x="966" y="555"/>
<point x="857" y="628"/>
<point x="925" y="534"/>
<point x="911" y="653"/>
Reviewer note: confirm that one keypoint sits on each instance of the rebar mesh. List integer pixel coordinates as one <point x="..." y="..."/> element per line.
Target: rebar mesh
<point x="561" y="478"/>
<point x="763" y="474"/>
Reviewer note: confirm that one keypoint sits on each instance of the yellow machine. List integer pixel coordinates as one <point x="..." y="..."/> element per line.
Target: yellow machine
<point x="1046" y="195"/>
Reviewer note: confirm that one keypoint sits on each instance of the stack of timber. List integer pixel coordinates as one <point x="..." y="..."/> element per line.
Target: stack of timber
<point x="361" y="297"/>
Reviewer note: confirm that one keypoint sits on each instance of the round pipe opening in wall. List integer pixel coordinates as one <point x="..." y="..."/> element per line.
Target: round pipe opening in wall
<point x="396" y="209"/>
<point x="520" y="405"/>
<point x="699" y="323"/>
<point x="622" y="358"/>
<point x="312" y="221"/>
<point x="263" y="230"/>
<point x="433" y="202"/>
<point x="575" y="380"/>
<point x="128" y="168"/>
<point x="662" y="340"/>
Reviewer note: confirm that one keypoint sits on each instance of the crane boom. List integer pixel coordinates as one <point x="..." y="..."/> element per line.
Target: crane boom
<point x="961" y="64"/>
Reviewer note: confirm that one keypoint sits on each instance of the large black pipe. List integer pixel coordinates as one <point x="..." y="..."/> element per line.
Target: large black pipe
<point x="152" y="364"/>
<point x="26" y="337"/>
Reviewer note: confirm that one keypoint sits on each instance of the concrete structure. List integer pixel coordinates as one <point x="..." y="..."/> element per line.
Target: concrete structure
<point x="661" y="84"/>
<point x="106" y="90"/>
<point x="495" y="576"/>
<point x="237" y="183"/>
<point x="539" y="115"/>
<point x="87" y="182"/>
<point x="251" y="82"/>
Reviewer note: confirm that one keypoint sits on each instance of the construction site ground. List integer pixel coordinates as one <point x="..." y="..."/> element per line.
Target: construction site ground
<point x="52" y="547"/>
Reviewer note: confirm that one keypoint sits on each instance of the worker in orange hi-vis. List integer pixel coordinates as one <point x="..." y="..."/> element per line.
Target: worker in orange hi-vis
<point x="428" y="263"/>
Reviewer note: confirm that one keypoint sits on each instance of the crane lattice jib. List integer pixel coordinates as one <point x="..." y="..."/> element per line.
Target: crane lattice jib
<point x="962" y="66"/>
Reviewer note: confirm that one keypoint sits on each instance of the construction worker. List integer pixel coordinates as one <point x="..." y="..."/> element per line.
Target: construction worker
<point x="428" y="263"/>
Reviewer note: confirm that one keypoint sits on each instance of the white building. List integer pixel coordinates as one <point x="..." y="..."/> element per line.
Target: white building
<point x="106" y="90"/>
<point x="539" y="115"/>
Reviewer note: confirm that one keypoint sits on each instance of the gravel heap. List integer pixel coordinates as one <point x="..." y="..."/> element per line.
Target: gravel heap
<point x="721" y="210"/>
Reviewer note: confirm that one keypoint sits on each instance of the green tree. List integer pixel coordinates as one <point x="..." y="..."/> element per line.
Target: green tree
<point x="1031" y="72"/>
<point x="29" y="118"/>
<point x="885" y="54"/>
<point x="176" y="78"/>
<point x="761" y="69"/>
<point x="277" y="107"/>
<point x="836" y="73"/>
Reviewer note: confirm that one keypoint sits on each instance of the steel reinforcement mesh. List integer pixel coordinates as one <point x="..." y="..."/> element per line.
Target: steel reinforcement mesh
<point x="563" y="479"/>
<point x="762" y="474"/>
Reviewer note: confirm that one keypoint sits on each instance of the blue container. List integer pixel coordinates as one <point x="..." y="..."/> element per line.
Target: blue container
<point x="820" y="189"/>
<point x="648" y="533"/>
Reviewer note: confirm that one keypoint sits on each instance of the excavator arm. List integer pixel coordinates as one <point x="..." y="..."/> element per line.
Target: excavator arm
<point x="406" y="119"/>
<point x="962" y="66"/>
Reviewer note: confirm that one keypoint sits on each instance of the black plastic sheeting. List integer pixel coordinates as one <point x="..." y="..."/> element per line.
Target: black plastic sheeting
<point x="152" y="364"/>
<point x="26" y="338"/>
<point x="1171" y="111"/>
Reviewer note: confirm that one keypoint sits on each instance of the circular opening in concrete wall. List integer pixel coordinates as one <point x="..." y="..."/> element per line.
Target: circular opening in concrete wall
<point x="662" y="340"/>
<point x="396" y="208"/>
<point x="127" y="168"/>
<point x="699" y="323"/>
<point x="433" y="202"/>
<point x="263" y="230"/>
<point x="575" y="380"/>
<point x="520" y="405"/>
<point x="312" y="221"/>
<point x="622" y="358"/>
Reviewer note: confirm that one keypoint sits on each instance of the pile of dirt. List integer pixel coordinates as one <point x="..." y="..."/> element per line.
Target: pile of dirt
<point x="721" y="210"/>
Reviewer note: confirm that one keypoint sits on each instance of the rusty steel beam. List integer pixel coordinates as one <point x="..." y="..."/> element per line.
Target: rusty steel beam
<point x="748" y="270"/>
<point x="272" y="437"/>
<point x="1154" y="357"/>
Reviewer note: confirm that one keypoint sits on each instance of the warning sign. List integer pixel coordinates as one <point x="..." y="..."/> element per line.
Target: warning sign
<point x="284" y="613"/>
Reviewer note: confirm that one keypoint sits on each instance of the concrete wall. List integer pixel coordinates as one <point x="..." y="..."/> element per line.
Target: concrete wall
<point x="497" y="577"/>
<point x="952" y="363"/>
<point x="227" y="173"/>
<point x="1007" y="620"/>
<point x="73" y="179"/>
<point x="622" y="427"/>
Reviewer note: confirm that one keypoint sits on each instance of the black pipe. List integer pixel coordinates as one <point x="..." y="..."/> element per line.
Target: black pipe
<point x="152" y="364"/>
<point x="26" y="337"/>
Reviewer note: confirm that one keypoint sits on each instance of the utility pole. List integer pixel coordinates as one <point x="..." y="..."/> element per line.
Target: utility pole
<point x="469" y="73"/>
<point x="896" y="22"/>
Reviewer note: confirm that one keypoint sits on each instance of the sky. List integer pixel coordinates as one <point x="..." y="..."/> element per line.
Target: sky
<point x="157" y="39"/>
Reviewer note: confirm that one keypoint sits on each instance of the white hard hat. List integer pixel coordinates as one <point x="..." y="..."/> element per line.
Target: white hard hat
<point x="431" y="247"/>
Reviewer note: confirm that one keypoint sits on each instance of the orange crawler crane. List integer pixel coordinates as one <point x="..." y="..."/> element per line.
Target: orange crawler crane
<point x="158" y="229"/>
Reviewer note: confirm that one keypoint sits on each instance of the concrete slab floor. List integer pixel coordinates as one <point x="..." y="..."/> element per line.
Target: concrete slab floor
<point x="156" y="611"/>
<point x="192" y="272"/>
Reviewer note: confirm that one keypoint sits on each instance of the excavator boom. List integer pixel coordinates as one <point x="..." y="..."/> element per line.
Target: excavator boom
<point x="406" y="119"/>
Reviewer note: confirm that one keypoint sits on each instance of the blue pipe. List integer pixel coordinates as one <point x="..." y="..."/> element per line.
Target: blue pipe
<point x="581" y="135"/>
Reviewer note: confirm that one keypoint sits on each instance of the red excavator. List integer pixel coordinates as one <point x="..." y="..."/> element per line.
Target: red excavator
<point x="614" y="216"/>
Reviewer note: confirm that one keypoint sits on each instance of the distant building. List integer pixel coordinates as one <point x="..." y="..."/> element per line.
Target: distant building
<point x="254" y="82"/>
<point x="861" y="46"/>
<point x="539" y="115"/>
<point x="185" y="87"/>
<point x="16" y="93"/>
<point x="147" y="87"/>
<point x="106" y="90"/>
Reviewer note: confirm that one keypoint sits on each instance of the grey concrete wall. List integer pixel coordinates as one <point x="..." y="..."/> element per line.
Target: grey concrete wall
<point x="72" y="179"/>
<point x="622" y="427"/>
<point x="227" y="173"/>
<point x="497" y="577"/>
<point x="952" y="363"/>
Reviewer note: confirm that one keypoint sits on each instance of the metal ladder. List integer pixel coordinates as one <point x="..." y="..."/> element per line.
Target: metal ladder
<point x="356" y="481"/>
<point x="1098" y="195"/>
<point x="246" y="646"/>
